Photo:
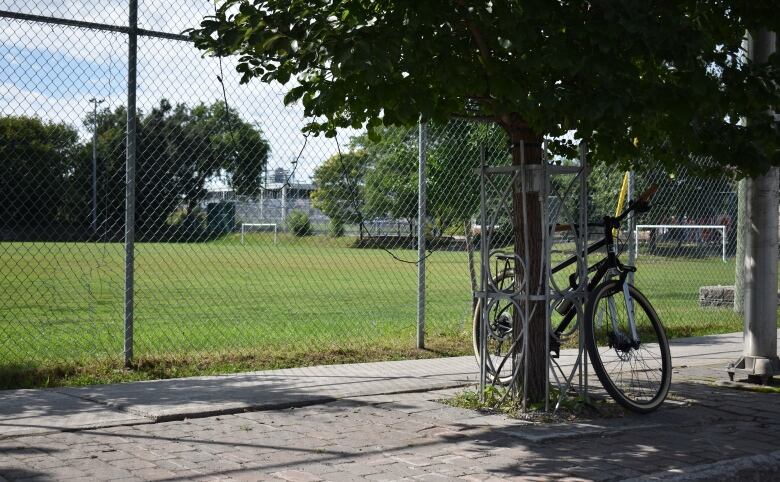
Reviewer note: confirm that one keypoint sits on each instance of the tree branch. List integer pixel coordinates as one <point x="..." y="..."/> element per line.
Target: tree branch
<point x="484" y="51"/>
<point x="476" y="118"/>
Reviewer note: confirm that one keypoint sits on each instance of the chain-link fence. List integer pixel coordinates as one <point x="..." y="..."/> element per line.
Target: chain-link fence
<point x="249" y="240"/>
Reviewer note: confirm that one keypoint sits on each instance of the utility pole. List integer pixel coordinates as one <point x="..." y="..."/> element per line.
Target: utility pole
<point x="759" y="361"/>
<point x="95" y="103"/>
<point x="739" y="265"/>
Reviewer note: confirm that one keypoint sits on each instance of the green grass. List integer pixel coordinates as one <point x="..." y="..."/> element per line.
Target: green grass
<point x="222" y="306"/>
<point x="496" y="400"/>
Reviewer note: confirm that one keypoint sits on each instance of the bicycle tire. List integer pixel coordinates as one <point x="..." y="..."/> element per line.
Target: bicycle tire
<point x="476" y="333"/>
<point x="640" y="395"/>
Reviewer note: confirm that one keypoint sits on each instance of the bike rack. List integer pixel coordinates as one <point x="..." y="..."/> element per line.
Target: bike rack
<point x="562" y="195"/>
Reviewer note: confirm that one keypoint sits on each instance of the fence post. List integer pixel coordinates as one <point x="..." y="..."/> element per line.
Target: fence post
<point x="284" y="207"/>
<point x="132" y="51"/>
<point x="421" y="209"/>
<point x="631" y="227"/>
<point x="95" y="103"/>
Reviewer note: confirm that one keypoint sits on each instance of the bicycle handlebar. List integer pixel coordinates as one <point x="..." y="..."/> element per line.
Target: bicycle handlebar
<point x="640" y="205"/>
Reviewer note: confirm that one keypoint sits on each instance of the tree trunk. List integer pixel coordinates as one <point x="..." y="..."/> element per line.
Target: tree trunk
<point x="519" y="131"/>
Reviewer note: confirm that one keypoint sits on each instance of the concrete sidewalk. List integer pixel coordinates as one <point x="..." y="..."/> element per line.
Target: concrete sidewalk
<point x="382" y="421"/>
<point x="25" y="412"/>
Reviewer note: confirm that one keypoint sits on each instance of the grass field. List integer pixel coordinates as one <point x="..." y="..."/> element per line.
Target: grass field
<point x="222" y="306"/>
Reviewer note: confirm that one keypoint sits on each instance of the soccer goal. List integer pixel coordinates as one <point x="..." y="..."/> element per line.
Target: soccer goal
<point x="262" y="227"/>
<point x="695" y="233"/>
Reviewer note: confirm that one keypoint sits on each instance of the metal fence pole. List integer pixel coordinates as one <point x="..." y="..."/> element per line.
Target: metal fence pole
<point x="421" y="208"/>
<point x="284" y="207"/>
<point x="631" y="227"/>
<point x="95" y="103"/>
<point x="132" y="51"/>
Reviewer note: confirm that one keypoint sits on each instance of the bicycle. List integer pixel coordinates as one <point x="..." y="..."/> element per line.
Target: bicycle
<point x="624" y="337"/>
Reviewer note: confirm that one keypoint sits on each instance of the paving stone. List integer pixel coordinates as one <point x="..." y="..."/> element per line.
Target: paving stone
<point x="132" y="464"/>
<point x="405" y="436"/>
<point x="341" y="477"/>
<point x="296" y="476"/>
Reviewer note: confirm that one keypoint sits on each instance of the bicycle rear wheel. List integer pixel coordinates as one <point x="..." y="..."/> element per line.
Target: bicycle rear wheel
<point x="499" y="333"/>
<point x="636" y="375"/>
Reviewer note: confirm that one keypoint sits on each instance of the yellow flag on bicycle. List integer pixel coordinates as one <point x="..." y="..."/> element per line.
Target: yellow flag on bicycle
<point x="621" y="200"/>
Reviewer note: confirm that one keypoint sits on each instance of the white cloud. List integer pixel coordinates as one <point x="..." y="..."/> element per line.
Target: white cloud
<point x="52" y="72"/>
<point x="99" y="11"/>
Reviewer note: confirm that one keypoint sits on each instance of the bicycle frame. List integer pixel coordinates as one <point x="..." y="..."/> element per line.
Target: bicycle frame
<point x="607" y="266"/>
<point x="602" y="269"/>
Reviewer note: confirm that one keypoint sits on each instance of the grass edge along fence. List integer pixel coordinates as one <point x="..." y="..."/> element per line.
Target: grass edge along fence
<point x="216" y="336"/>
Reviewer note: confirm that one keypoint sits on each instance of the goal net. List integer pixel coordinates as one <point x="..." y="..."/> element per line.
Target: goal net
<point x="680" y="240"/>
<point x="248" y="228"/>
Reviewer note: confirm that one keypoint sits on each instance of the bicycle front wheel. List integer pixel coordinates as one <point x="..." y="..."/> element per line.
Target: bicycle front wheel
<point x="636" y="373"/>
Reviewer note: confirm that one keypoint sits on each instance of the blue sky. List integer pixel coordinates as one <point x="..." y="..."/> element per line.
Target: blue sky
<point x="28" y="66"/>
<point x="51" y="72"/>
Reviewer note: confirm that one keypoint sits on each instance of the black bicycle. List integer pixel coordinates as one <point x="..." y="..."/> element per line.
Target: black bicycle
<point x="624" y="337"/>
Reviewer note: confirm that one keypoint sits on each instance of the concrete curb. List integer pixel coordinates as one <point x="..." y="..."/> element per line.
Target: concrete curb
<point x="297" y="402"/>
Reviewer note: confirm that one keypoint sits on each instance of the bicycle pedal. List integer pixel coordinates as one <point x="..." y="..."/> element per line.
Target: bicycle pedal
<point x="555" y="348"/>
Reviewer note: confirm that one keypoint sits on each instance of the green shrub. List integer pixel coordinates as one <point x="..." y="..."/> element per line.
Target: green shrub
<point x="336" y="228"/>
<point x="298" y="222"/>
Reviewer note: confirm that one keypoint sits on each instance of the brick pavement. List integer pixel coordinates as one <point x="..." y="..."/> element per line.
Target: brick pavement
<point x="706" y="433"/>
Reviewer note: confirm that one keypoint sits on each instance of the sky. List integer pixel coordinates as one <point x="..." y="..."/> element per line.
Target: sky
<point x="52" y="71"/>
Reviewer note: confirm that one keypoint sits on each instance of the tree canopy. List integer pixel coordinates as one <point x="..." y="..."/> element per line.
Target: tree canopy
<point x="651" y="82"/>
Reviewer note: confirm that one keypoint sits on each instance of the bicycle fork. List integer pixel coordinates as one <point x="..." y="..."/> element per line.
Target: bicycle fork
<point x="620" y="340"/>
<point x="630" y="310"/>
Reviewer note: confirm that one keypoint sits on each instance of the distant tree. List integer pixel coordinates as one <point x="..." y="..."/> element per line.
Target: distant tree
<point x="378" y="176"/>
<point x="452" y="161"/>
<point x="37" y="160"/>
<point x="340" y="185"/>
<point x="391" y="181"/>
<point x="604" y="184"/>
<point x="298" y="222"/>
<point x="179" y="150"/>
